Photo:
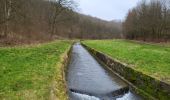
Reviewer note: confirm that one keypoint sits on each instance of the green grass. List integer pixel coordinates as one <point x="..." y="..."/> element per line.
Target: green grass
<point x="28" y="73"/>
<point x="153" y="60"/>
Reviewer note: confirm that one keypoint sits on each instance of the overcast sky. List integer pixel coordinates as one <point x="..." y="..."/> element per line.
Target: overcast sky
<point x="107" y="9"/>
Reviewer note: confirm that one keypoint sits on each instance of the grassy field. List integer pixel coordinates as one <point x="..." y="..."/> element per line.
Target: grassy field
<point x="28" y="73"/>
<point x="153" y="60"/>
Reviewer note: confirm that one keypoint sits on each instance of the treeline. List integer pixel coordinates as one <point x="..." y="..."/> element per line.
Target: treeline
<point x="42" y="20"/>
<point x="149" y="21"/>
<point x="87" y="27"/>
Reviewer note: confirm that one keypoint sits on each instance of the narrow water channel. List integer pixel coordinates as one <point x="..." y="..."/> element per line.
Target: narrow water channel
<point x="88" y="80"/>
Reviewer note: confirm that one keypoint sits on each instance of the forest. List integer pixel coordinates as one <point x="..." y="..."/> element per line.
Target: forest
<point x="27" y="21"/>
<point x="149" y="21"/>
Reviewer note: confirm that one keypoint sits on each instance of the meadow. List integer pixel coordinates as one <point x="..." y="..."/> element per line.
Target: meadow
<point x="150" y="59"/>
<point x="29" y="72"/>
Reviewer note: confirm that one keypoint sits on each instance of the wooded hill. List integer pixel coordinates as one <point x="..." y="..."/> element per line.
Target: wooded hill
<point x="42" y="20"/>
<point x="87" y="27"/>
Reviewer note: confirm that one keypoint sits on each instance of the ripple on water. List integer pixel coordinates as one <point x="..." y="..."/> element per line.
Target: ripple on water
<point x="86" y="75"/>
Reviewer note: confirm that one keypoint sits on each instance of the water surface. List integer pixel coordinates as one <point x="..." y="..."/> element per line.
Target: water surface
<point x="88" y="80"/>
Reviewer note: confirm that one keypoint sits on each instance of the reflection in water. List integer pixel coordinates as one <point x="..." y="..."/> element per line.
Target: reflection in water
<point x="89" y="81"/>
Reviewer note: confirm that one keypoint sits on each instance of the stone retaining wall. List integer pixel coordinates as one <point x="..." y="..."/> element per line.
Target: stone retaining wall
<point x="148" y="87"/>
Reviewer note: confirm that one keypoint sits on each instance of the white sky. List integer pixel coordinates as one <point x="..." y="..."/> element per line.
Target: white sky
<point x="107" y="9"/>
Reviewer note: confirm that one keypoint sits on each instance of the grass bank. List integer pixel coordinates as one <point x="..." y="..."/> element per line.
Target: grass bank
<point x="31" y="72"/>
<point x="153" y="60"/>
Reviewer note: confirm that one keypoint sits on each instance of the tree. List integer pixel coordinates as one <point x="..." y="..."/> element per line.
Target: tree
<point x="59" y="7"/>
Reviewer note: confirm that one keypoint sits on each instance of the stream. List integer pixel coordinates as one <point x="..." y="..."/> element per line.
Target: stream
<point x="88" y="80"/>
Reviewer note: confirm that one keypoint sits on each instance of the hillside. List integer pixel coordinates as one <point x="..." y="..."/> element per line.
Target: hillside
<point x="39" y="20"/>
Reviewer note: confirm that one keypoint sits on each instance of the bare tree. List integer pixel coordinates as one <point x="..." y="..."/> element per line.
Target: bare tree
<point x="60" y="6"/>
